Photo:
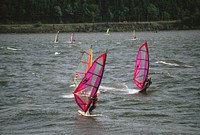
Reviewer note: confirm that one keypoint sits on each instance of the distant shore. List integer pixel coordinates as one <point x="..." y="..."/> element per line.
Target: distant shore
<point x="92" y="27"/>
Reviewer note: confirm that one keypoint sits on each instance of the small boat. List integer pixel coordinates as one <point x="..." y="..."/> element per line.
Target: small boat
<point x="56" y="37"/>
<point x="107" y="32"/>
<point x="72" y="40"/>
<point x="134" y="36"/>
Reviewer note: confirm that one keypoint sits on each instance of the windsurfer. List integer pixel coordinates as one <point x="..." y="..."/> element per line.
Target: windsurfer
<point x="148" y="82"/>
<point x="94" y="103"/>
<point x="75" y="81"/>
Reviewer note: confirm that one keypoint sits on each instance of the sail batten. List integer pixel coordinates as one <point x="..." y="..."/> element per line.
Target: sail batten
<point x="95" y="74"/>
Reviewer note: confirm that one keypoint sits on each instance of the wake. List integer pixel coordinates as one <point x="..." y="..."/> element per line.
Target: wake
<point x="124" y="89"/>
<point x="172" y="64"/>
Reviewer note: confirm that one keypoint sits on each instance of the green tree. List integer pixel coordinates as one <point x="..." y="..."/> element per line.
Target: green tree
<point x="152" y="12"/>
<point x="49" y="11"/>
<point x="166" y="16"/>
<point x="58" y="13"/>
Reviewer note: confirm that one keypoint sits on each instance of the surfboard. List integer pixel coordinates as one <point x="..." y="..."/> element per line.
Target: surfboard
<point x="81" y="113"/>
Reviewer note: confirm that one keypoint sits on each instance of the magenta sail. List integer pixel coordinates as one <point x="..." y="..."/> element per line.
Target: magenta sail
<point x="141" y="66"/>
<point x="89" y="85"/>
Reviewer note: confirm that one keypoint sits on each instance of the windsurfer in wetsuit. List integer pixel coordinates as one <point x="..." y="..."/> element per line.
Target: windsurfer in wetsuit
<point x="148" y="82"/>
<point x="94" y="103"/>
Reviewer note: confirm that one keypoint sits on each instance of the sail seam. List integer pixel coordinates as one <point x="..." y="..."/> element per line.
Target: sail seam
<point x="90" y="85"/>
<point x="95" y="74"/>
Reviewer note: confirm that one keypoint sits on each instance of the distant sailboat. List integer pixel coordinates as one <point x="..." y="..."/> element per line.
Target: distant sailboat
<point x="107" y="32"/>
<point x="56" y="37"/>
<point x="134" y="35"/>
<point x="72" y="40"/>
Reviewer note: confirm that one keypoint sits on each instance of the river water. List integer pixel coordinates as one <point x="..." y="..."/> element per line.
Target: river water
<point x="36" y="77"/>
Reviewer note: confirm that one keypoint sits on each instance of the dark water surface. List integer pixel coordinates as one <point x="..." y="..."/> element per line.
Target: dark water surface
<point x="36" y="77"/>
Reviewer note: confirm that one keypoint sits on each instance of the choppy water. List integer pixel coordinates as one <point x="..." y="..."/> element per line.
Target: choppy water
<point x="36" y="74"/>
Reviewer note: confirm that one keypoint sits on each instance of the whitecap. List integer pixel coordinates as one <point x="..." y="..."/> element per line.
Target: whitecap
<point x="68" y="96"/>
<point x="132" y="91"/>
<point x="56" y="53"/>
<point x="166" y="63"/>
<point x="10" y="48"/>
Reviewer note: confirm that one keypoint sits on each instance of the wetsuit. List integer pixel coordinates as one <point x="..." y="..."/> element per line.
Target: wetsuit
<point x="147" y="84"/>
<point x="94" y="103"/>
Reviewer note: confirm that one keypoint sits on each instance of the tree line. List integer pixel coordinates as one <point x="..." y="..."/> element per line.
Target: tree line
<point x="86" y="11"/>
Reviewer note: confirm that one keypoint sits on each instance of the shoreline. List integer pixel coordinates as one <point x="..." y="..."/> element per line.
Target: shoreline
<point x="94" y="27"/>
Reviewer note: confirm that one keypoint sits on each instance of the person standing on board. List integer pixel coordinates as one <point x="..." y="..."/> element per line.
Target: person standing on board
<point x="148" y="82"/>
<point x="94" y="103"/>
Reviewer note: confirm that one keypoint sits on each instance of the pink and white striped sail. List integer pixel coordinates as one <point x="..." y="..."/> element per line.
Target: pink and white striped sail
<point x="141" y="66"/>
<point x="90" y="83"/>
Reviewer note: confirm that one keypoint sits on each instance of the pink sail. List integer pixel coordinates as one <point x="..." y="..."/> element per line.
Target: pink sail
<point x="141" y="66"/>
<point x="89" y="85"/>
<point x="72" y="37"/>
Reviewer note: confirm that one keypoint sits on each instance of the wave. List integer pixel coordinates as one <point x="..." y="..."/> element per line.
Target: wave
<point x="13" y="49"/>
<point x="125" y="89"/>
<point x="103" y="89"/>
<point x="162" y="73"/>
<point x="166" y="63"/>
<point x="172" y="64"/>
<point x="120" y="87"/>
<point x="72" y="85"/>
<point x="56" y="53"/>
<point x="188" y="66"/>
<point x="68" y="96"/>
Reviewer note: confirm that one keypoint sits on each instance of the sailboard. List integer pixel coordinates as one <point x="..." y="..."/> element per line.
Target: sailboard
<point x="90" y="83"/>
<point x="72" y="39"/>
<point x="134" y="35"/>
<point x="107" y="32"/>
<point x="84" y="64"/>
<point x="56" y="37"/>
<point x="89" y="115"/>
<point x="142" y="66"/>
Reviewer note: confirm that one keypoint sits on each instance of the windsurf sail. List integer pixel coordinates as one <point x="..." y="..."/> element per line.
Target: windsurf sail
<point x="107" y="32"/>
<point x="84" y="65"/>
<point x="90" y="83"/>
<point x="72" y="38"/>
<point x="142" y="66"/>
<point x="56" y="37"/>
<point x="134" y="35"/>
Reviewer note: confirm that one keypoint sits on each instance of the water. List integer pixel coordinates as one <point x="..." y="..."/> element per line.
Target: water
<point x="36" y="78"/>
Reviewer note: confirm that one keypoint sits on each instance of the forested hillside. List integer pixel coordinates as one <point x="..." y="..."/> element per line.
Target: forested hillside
<point x="81" y="11"/>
